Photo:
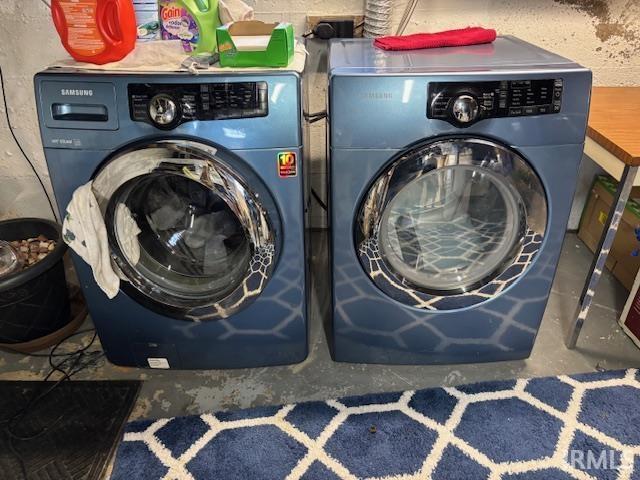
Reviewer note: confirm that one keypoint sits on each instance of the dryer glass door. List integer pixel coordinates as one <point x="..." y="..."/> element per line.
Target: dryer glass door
<point x="450" y="217"/>
<point x="185" y="229"/>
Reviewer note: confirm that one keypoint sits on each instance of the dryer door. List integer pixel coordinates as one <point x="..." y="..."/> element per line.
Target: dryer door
<point x="189" y="232"/>
<point x="451" y="223"/>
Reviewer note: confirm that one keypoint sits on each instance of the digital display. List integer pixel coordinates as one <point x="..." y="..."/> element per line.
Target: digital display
<point x="507" y="98"/>
<point x="206" y="101"/>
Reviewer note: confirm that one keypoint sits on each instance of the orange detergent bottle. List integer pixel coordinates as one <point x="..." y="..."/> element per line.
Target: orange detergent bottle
<point x="95" y="31"/>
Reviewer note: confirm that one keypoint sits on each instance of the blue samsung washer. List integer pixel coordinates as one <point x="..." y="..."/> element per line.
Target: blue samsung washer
<point x="199" y="180"/>
<point x="452" y="173"/>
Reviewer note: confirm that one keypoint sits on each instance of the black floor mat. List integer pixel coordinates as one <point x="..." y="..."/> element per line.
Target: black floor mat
<point x="82" y="422"/>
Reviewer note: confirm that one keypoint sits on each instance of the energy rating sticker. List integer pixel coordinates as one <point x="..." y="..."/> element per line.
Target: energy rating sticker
<point x="287" y="164"/>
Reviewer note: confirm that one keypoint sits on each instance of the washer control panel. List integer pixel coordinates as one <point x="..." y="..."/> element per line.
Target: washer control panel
<point x="168" y="105"/>
<point x="465" y="103"/>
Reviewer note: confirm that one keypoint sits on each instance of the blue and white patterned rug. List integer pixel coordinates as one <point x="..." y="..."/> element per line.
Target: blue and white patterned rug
<point x="580" y="426"/>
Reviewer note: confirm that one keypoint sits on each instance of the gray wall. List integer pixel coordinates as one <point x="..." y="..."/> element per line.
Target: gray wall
<point x="603" y="35"/>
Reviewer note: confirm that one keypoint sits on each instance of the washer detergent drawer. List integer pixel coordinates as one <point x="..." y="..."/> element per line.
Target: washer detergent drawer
<point x="79" y="105"/>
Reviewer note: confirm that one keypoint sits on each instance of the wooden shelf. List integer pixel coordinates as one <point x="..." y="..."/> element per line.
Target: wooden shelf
<point x="614" y="122"/>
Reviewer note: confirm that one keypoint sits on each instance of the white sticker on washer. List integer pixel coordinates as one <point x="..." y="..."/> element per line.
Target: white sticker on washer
<point x="158" y="363"/>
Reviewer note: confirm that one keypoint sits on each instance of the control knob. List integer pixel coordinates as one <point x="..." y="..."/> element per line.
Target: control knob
<point x="163" y="110"/>
<point x="465" y="108"/>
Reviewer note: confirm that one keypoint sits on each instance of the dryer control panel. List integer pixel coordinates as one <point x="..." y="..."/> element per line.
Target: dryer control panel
<point x="168" y="105"/>
<point x="464" y="103"/>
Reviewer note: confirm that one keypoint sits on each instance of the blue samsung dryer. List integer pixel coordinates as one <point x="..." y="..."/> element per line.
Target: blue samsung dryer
<point x="452" y="173"/>
<point x="199" y="181"/>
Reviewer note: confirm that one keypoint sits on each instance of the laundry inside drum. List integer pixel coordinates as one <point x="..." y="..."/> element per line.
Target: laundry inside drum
<point x="188" y="240"/>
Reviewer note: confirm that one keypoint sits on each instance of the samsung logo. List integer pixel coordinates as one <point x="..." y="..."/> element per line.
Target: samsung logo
<point x="66" y="92"/>
<point x="377" y="95"/>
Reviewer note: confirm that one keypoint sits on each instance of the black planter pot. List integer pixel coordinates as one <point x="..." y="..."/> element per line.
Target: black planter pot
<point x="35" y="301"/>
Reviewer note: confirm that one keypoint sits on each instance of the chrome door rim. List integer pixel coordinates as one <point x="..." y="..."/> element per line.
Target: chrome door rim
<point x="200" y="163"/>
<point x="410" y="166"/>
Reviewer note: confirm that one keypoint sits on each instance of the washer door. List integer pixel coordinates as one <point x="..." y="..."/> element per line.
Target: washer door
<point x="186" y="231"/>
<point x="459" y="218"/>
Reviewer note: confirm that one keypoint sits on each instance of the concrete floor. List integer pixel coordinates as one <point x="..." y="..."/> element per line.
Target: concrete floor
<point x="169" y="393"/>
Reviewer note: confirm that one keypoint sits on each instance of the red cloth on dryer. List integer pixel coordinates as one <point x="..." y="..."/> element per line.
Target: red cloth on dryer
<point x="448" y="38"/>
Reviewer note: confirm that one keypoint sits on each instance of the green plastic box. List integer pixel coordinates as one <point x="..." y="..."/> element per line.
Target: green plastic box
<point x="278" y="52"/>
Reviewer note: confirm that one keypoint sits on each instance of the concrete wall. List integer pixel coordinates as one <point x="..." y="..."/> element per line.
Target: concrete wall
<point x="603" y="35"/>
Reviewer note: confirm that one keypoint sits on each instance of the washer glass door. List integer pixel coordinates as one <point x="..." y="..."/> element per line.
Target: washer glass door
<point x="185" y="229"/>
<point x="450" y="217"/>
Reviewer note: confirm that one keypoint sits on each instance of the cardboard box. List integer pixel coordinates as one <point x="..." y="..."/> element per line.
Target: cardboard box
<point x="622" y="264"/>
<point x="255" y="44"/>
<point x="147" y="19"/>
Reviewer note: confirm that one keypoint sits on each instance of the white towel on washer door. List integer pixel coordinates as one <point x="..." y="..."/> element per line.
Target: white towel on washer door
<point x="85" y="232"/>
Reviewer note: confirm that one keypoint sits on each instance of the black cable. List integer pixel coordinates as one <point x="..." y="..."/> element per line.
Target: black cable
<point x="322" y="204"/>
<point x="78" y="364"/>
<point x="75" y="357"/>
<point x="315" y="117"/>
<point x="307" y="116"/>
<point x="24" y="154"/>
<point x="80" y="352"/>
<point x="312" y="32"/>
<point x="15" y="453"/>
<point x="9" y="349"/>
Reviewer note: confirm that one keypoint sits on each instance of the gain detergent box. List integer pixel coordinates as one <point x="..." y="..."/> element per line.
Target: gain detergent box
<point x="177" y="23"/>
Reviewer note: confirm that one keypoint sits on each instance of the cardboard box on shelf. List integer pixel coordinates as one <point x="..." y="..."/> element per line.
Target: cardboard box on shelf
<point x="255" y="44"/>
<point x="621" y="261"/>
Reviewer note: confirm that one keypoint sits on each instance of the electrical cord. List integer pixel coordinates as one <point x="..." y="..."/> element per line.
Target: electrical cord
<point x="73" y="363"/>
<point x="315" y="117"/>
<point x="24" y="154"/>
<point x="307" y="116"/>
<point x="322" y="204"/>
<point x="77" y="362"/>
<point x="312" y="32"/>
<point x="46" y="3"/>
<point x="9" y="349"/>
